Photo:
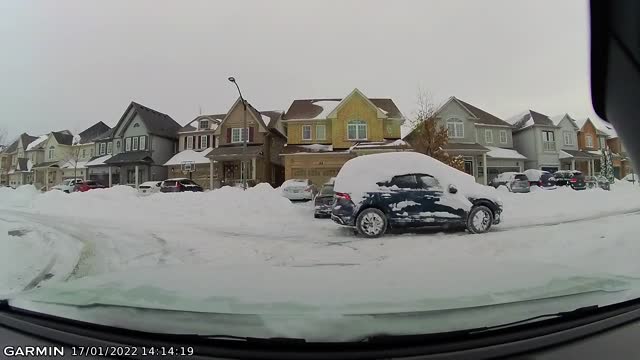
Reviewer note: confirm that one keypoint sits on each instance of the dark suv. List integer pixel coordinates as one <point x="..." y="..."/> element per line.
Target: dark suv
<point x="179" y="185"/>
<point x="413" y="200"/>
<point x="572" y="178"/>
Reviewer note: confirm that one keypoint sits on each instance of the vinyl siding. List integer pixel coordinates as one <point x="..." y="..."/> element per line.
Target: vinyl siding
<point x="454" y="110"/>
<point x="356" y="108"/>
<point x="567" y="126"/>
<point x="294" y="132"/>
<point x="496" y="136"/>
<point x="235" y="120"/>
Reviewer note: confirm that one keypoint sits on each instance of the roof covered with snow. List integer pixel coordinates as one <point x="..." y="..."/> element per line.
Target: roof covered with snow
<point x="197" y="157"/>
<point x="529" y="118"/>
<point x="38" y="143"/>
<point x="502" y="153"/>
<point x="603" y="127"/>
<point x="98" y="160"/>
<point x="214" y="122"/>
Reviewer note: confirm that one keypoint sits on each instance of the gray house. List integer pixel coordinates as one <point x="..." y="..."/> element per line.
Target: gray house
<point x="484" y="140"/>
<point x="535" y="136"/>
<point x="137" y="147"/>
<point x="571" y="158"/>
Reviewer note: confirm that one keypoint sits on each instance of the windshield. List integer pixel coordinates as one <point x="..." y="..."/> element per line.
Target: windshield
<point x="321" y="163"/>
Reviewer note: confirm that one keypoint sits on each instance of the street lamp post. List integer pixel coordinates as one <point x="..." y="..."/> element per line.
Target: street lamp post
<point x="243" y="171"/>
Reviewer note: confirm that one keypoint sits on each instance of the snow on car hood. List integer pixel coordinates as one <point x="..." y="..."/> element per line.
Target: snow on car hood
<point x="271" y="301"/>
<point x="360" y="175"/>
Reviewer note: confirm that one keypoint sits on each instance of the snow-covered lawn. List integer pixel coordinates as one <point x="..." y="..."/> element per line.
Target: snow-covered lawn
<point x="287" y="254"/>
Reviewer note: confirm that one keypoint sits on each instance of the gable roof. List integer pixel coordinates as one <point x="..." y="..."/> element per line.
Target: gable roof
<point x="156" y="122"/>
<point x="216" y="118"/>
<point x="93" y="132"/>
<point x="557" y="119"/>
<point x="62" y="137"/>
<point x="530" y="118"/>
<point x="482" y="116"/>
<point x="38" y="143"/>
<point x="12" y="147"/>
<point x="602" y="127"/>
<point x="305" y="109"/>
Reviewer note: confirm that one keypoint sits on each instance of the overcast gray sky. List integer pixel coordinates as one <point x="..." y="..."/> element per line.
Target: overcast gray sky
<point x="69" y="64"/>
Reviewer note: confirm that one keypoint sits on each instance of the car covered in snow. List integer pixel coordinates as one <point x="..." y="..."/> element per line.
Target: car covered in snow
<point x="298" y="189"/>
<point x="150" y="187"/>
<point x="67" y="185"/>
<point x="408" y="189"/>
<point x="540" y="178"/>
<point x="573" y="178"/>
<point x="324" y="200"/>
<point x="514" y="181"/>
<point x="179" y="185"/>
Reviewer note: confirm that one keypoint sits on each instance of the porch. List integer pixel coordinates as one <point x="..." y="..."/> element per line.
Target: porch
<point x="46" y="175"/>
<point x="230" y="164"/>
<point x="134" y="168"/>
<point x="586" y="163"/>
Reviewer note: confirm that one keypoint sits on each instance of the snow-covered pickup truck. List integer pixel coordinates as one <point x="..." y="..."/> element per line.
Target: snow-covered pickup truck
<point x="67" y="185"/>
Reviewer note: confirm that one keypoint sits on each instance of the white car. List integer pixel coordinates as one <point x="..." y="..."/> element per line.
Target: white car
<point x="67" y="185"/>
<point x="149" y="187"/>
<point x="298" y="189"/>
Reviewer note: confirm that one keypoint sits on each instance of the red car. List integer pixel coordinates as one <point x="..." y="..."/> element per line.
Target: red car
<point x="88" y="185"/>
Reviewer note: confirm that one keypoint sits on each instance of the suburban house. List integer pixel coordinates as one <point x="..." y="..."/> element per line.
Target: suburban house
<point x="265" y="140"/>
<point x="534" y="136"/>
<point x="594" y="135"/>
<point x="83" y="150"/>
<point x="482" y="139"/>
<point x="35" y="155"/>
<point x="136" y="149"/>
<point x="322" y="134"/>
<point x="5" y="162"/>
<point x="570" y="155"/>
<point x="195" y="141"/>
<point x="57" y="151"/>
<point x="20" y="169"/>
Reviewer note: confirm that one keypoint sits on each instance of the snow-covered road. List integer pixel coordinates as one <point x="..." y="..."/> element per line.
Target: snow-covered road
<point x="55" y="237"/>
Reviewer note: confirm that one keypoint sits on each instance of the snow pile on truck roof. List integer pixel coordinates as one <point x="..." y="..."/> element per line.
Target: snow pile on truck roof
<point x="361" y="174"/>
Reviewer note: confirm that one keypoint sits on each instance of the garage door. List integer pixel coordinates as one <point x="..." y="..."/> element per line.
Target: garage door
<point x="317" y="175"/>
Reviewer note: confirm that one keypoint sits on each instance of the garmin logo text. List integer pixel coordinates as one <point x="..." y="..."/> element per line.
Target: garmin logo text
<point x="32" y="351"/>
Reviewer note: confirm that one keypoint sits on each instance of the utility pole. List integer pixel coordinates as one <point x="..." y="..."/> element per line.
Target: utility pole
<point x="245" y="135"/>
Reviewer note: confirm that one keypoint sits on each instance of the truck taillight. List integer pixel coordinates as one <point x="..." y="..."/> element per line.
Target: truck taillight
<point x="344" y="196"/>
<point x="573" y="180"/>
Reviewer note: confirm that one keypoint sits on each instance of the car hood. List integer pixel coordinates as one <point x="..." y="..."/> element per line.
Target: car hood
<point x="313" y="300"/>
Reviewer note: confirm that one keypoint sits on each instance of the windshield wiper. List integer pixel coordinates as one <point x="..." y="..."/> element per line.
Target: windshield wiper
<point x="564" y="315"/>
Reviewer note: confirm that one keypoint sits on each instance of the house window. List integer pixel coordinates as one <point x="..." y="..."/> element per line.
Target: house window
<point x="357" y="130"/>
<point x="84" y="153"/>
<point x="92" y="151"/>
<point x="118" y="145"/>
<point x="134" y="145"/>
<point x="488" y="136"/>
<point x="237" y="135"/>
<point x="503" y="136"/>
<point x="568" y="137"/>
<point x="204" y="142"/>
<point x="455" y="128"/>
<point x="589" y="139"/>
<point x="103" y="148"/>
<point x="189" y="142"/>
<point x="321" y="132"/>
<point x="109" y="148"/>
<point x="602" y="143"/>
<point x="306" y="132"/>
<point x="127" y="144"/>
<point x="51" y="152"/>
<point x="204" y="124"/>
<point x="548" y="141"/>
<point x="143" y="143"/>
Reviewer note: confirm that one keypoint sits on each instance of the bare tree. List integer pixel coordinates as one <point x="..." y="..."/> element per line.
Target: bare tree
<point x="72" y="158"/>
<point x="428" y="136"/>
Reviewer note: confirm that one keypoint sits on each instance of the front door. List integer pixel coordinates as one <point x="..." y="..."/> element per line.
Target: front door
<point x="468" y="167"/>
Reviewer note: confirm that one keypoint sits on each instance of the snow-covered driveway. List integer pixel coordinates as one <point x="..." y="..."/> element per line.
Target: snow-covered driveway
<point x="55" y="236"/>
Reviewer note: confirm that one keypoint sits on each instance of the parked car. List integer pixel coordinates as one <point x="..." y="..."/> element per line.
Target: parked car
<point x="407" y="189"/>
<point x="298" y="189"/>
<point x="67" y="185"/>
<point x="514" y="181"/>
<point x="540" y="178"/>
<point x="573" y="178"/>
<point x="149" y="187"/>
<point x="324" y="200"/>
<point x="179" y="185"/>
<point x="87" y="185"/>
<point x="600" y="181"/>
